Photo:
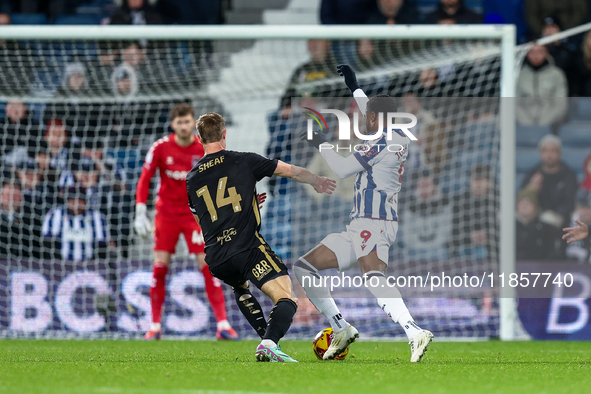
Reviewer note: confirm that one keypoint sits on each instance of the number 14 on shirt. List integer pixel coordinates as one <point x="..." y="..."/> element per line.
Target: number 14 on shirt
<point x="221" y="201"/>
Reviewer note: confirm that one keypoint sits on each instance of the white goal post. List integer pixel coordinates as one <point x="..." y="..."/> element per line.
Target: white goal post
<point x="505" y="34"/>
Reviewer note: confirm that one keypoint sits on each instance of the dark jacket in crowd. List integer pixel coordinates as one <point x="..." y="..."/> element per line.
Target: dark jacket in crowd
<point x="581" y="75"/>
<point x="19" y="140"/>
<point x="571" y="13"/>
<point x="346" y="12"/>
<point x="464" y="15"/>
<point x="538" y="241"/>
<point x="407" y="14"/>
<point x="20" y="234"/>
<point x="558" y="190"/>
<point x="125" y="16"/>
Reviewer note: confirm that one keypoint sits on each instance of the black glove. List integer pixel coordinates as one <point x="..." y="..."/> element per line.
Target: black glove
<point x="350" y="80"/>
<point x="317" y="138"/>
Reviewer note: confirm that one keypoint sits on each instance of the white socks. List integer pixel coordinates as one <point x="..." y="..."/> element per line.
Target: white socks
<point x="268" y="343"/>
<point x="155" y="326"/>
<point x="223" y="325"/>
<point x="390" y="300"/>
<point x="319" y="295"/>
<point x="408" y="324"/>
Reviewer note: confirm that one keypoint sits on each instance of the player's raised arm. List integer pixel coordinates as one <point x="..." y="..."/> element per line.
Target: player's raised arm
<point x="343" y="167"/>
<point x="299" y="174"/>
<point x="351" y="81"/>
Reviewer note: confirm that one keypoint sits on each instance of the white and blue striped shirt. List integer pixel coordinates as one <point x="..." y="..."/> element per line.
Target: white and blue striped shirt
<point x="377" y="186"/>
<point x="78" y="234"/>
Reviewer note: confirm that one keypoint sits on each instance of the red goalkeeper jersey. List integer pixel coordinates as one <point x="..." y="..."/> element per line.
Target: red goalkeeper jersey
<point x="173" y="162"/>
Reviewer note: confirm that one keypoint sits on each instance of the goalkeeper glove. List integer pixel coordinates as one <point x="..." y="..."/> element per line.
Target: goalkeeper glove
<point x="142" y="224"/>
<point x="350" y="80"/>
<point x="317" y="138"/>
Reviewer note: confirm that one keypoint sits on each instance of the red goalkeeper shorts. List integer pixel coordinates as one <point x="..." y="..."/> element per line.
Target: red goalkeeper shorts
<point x="168" y="230"/>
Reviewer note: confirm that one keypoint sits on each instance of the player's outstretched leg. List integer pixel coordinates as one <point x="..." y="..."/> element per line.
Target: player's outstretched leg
<point x="305" y="271"/>
<point x="157" y="295"/>
<point x="390" y="300"/>
<point x="280" y="318"/>
<point x="251" y="309"/>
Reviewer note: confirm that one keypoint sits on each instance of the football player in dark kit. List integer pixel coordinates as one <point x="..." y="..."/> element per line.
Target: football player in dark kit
<point x="222" y="197"/>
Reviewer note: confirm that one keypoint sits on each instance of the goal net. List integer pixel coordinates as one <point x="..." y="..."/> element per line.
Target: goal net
<point x="80" y="114"/>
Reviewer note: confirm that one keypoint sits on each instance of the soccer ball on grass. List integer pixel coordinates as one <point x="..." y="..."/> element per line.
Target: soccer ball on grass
<point x="321" y="343"/>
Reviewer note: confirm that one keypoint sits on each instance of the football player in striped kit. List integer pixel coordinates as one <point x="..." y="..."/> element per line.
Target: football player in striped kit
<point x="77" y="232"/>
<point x="374" y="223"/>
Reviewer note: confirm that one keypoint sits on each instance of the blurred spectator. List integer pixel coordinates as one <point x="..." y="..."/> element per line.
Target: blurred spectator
<point x="554" y="181"/>
<point x="74" y="82"/>
<point x="427" y="223"/>
<point x="559" y="50"/>
<point x="126" y="78"/>
<point x="194" y="12"/>
<point x="376" y="52"/>
<point x="125" y="81"/>
<point x="366" y="52"/>
<point x="38" y="195"/>
<point x="106" y="191"/>
<point x="133" y="54"/>
<point x="581" y="250"/>
<point x="20" y="134"/>
<point x="426" y="124"/>
<point x="118" y="202"/>
<point x="5" y="19"/>
<point x="83" y="173"/>
<point x="570" y="12"/>
<point x="582" y="69"/>
<point x="428" y="83"/>
<point x="346" y="12"/>
<point x="53" y="157"/>
<point x="535" y="240"/>
<point x="19" y="224"/>
<point x="435" y="146"/>
<point x="74" y="232"/>
<point x="454" y="10"/>
<point x="542" y="90"/>
<point x="135" y="12"/>
<point x="586" y="184"/>
<point x="394" y="12"/>
<point x="475" y="229"/>
<point x="507" y="11"/>
<point x="322" y="65"/>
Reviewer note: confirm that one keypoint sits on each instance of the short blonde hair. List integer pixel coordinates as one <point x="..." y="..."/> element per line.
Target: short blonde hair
<point x="211" y="127"/>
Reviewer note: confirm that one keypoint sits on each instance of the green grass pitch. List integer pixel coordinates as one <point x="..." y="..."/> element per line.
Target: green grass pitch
<point x="193" y="367"/>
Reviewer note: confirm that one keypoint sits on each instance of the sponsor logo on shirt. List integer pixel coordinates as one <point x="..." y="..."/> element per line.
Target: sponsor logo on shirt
<point x="226" y="235"/>
<point x="176" y="175"/>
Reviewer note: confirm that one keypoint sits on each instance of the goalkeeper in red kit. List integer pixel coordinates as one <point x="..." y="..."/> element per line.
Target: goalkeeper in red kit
<point x="174" y="155"/>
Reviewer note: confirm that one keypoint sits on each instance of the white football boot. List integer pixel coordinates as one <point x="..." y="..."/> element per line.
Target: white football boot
<point x="418" y="345"/>
<point x="340" y="341"/>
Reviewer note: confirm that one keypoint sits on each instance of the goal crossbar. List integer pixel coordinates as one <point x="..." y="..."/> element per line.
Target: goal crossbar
<point x="238" y="32"/>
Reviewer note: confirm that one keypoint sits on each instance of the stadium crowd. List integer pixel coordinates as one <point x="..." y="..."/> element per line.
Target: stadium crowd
<point x="69" y="168"/>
